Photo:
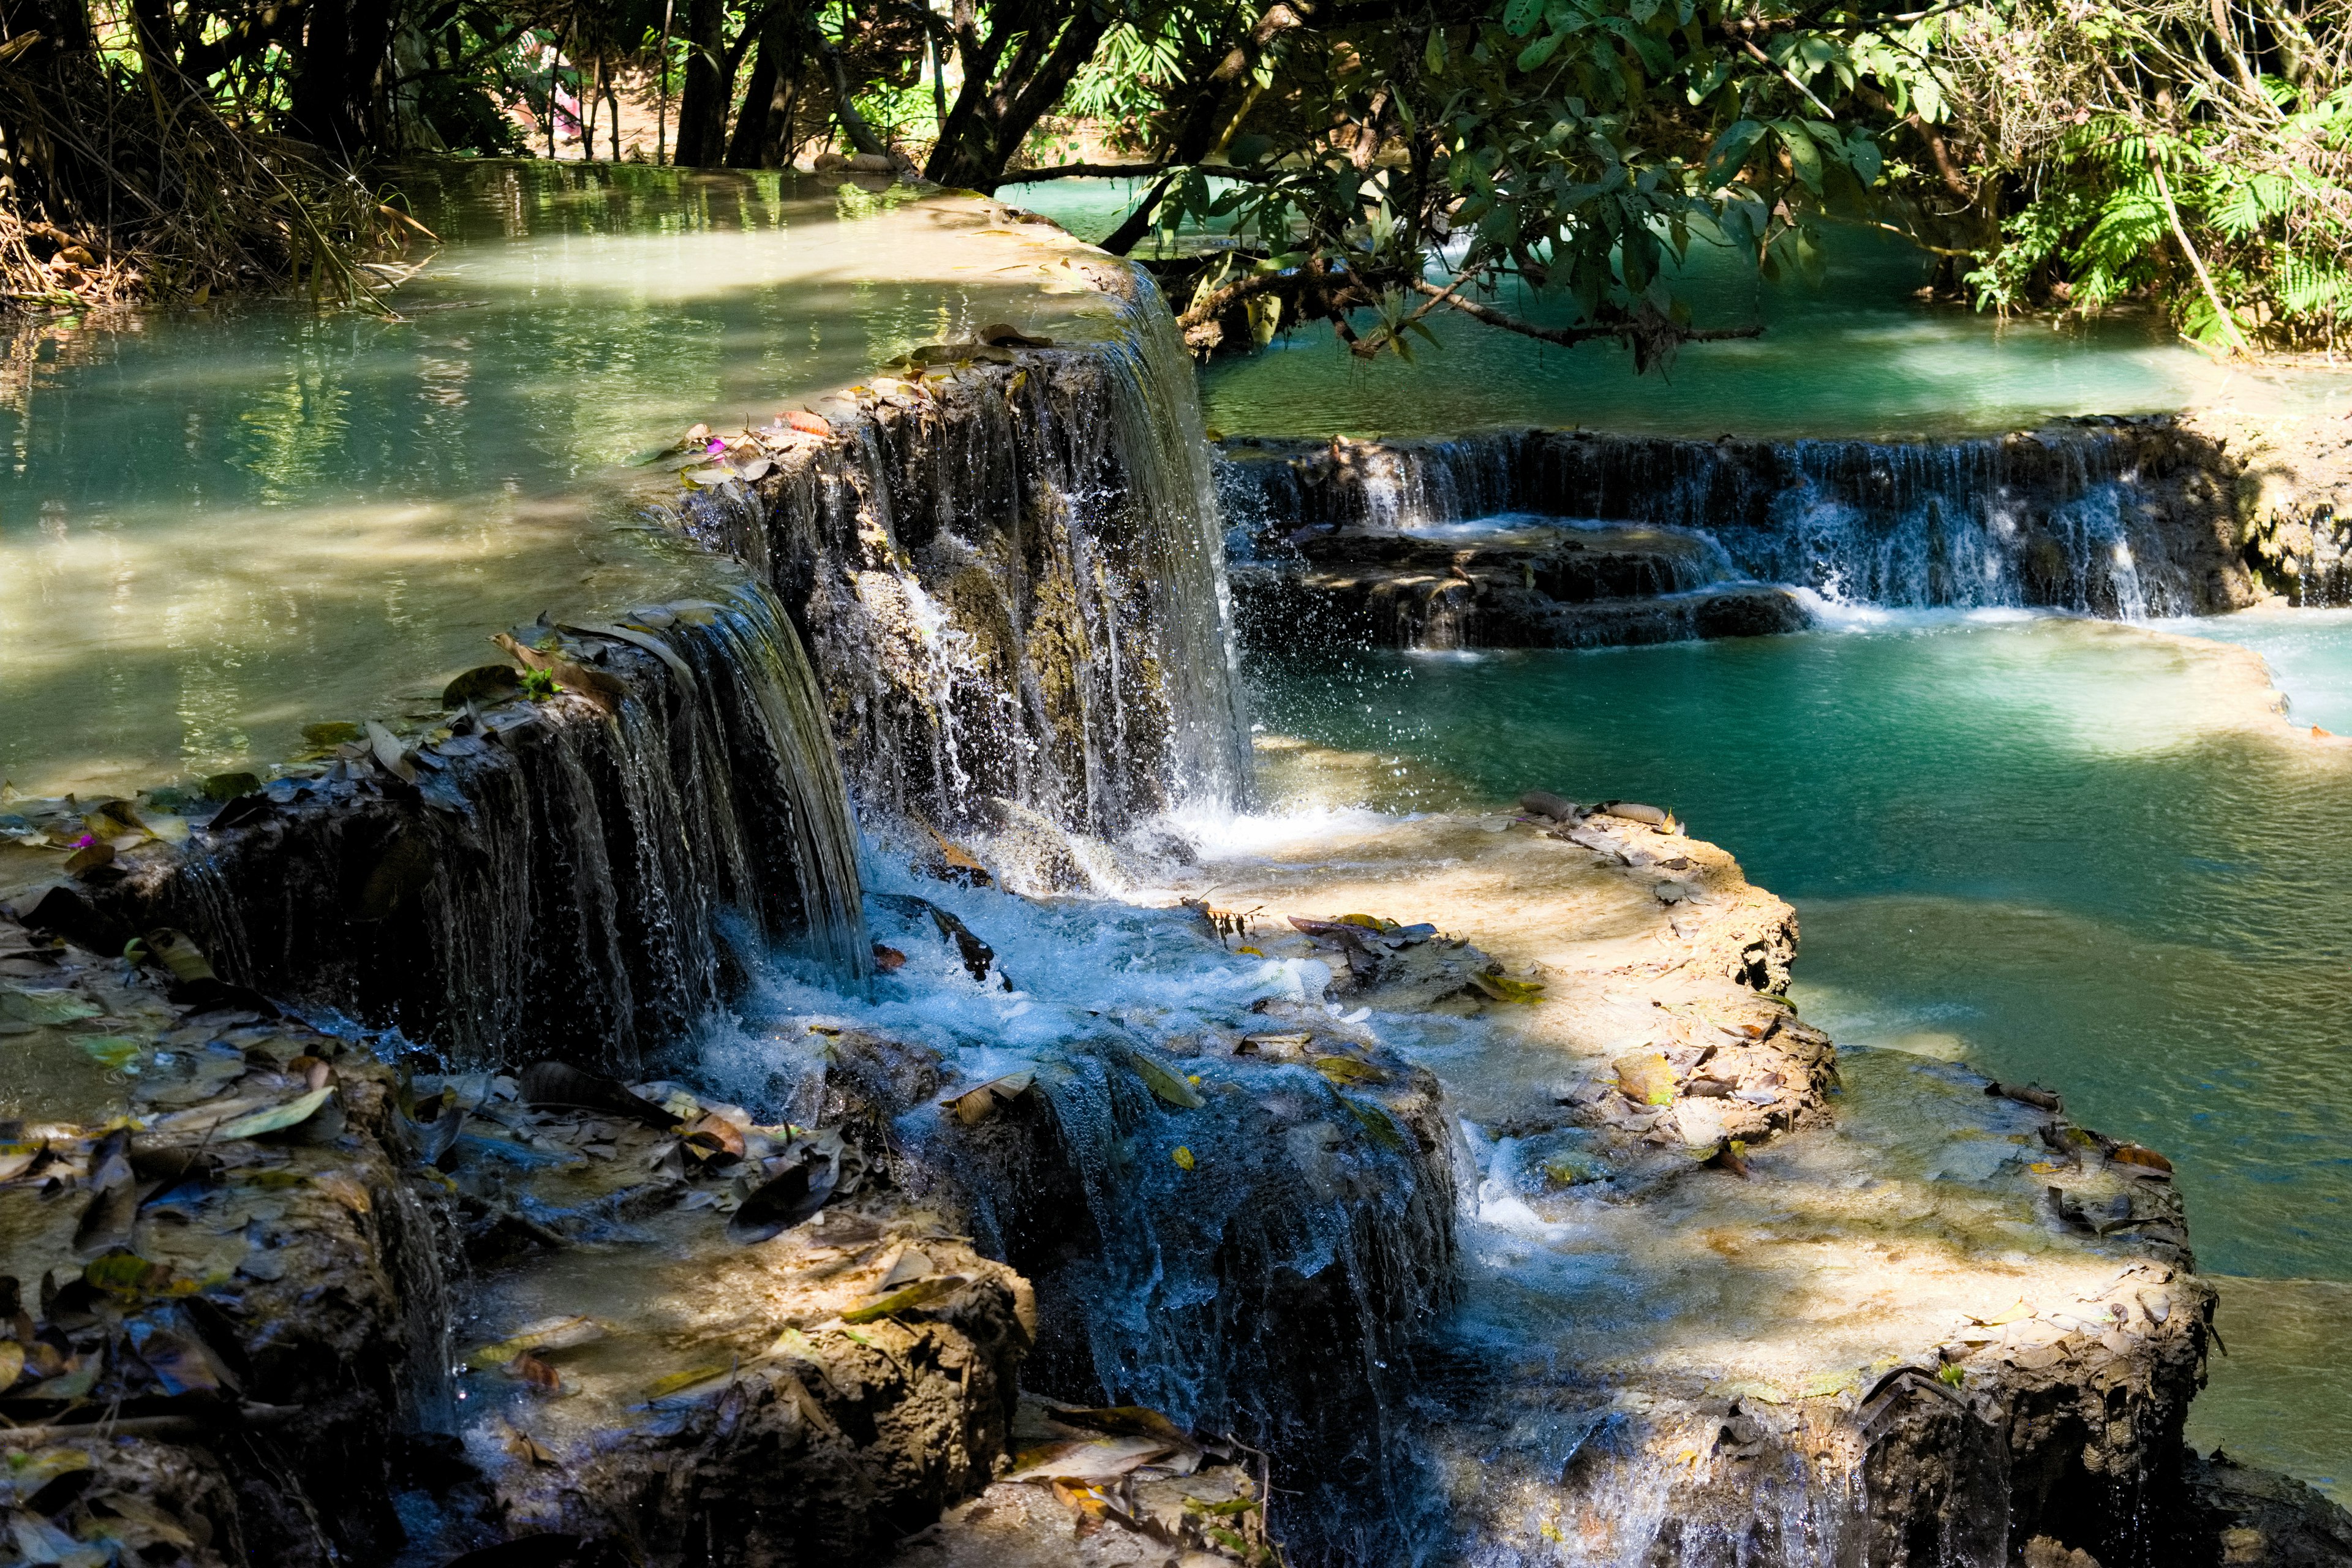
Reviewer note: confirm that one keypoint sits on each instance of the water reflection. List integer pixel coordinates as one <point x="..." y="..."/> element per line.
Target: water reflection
<point x="218" y="525"/>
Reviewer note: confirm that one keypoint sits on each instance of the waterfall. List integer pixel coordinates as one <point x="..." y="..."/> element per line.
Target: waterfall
<point x="1274" y="1285"/>
<point x="1011" y="579"/>
<point x="558" y="879"/>
<point x="2124" y="518"/>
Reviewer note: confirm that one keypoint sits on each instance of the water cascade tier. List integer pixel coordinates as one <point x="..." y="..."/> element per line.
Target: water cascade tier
<point x="1010" y="576"/>
<point x="525" y="878"/>
<point x="2124" y="518"/>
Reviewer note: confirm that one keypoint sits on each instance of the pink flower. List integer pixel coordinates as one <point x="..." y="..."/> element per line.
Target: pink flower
<point x="715" y="448"/>
<point x="85" y="841"/>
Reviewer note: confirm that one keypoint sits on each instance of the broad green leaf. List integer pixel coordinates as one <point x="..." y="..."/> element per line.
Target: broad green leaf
<point x="1535" y="55"/>
<point x="1803" y="156"/>
<point x="1520" y="16"/>
<point x="1731" y="149"/>
<point x="1861" y="155"/>
<point x="914" y="1295"/>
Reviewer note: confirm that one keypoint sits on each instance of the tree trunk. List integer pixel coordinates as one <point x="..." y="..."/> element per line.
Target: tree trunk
<point x="985" y="129"/>
<point x="702" y="103"/>
<point x="661" y="101"/>
<point x="334" y="94"/>
<point x="763" y="129"/>
<point x="752" y="119"/>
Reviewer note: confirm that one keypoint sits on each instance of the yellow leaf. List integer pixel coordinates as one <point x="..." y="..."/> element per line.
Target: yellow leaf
<point x="914" y="1295"/>
<point x="664" y="1387"/>
<point x="2016" y="1312"/>
<point x="1183" y="1158"/>
<point x="1349" y="1069"/>
<point x="1165" y="1082"/>
<point x="1645" y="1077"/>
<point x="1503" y="988"/>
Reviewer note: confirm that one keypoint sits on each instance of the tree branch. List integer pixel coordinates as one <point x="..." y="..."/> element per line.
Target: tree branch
<point x="1569" y="337"/>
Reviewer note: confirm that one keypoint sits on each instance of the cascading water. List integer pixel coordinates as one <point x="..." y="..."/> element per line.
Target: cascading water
<point x="2121" y="520"/>
<point x="553" y="882"/>
<point x="1262" y="1263"/>
<point x="1011" y="581"/>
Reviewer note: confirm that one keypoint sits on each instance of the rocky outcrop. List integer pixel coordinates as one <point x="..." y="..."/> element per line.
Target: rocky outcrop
<point x="1527" y="586"/>
<point x="2291" y="476"/>
<point x="1923" y="1322"/>
<point x="225" y="1307"/>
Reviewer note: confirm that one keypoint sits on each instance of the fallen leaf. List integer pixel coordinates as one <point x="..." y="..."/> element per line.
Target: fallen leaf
<point x="179" y="1363"/>
<point x="803" y="1186"/>
<point x="561" y="1085"/>
<point x="2132" y="1155"/>
<point x="485" y="683"/>
<point x="277" y="1118"/>
<point x="45" y="1005"/>
<point x="547" y="1334"/>
<point x="1169" y="1085"/>
<point x="522" y="1445"/>
<point x="1087" y="1461"/>
<point x="12" y="1362"/>
<point x="960" y="865"/>
<point x="2017" y="1312"/>
<point x="229" y="786"/>
<point x="339" y="732"/>
<point x="663" y="1387"/>
<point x="535" y="1371"/>
<point x="1183" y="1156"/>
<point x="177" y="952"/>
<point x="977" y="1105"/>
<point x="124" y="1273"/>
<point x="110" y="1051"/>
<point x="1645" y="1077"/>
<point x="150" y="1523"/>
<point x="911" y="1265"/>
<point x="389" y="753"/>
<point x="1349" y="1069"/>
<point x="899" y="1300"/>
<point x="1504" y="988"/>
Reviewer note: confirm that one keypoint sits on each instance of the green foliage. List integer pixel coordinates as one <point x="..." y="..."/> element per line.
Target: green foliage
<point x="1576" y="147"/>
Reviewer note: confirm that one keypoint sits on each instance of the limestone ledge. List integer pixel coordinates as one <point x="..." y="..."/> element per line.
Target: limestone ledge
<point x="1913" y="1321"/>
<point x="1524" y="588"/>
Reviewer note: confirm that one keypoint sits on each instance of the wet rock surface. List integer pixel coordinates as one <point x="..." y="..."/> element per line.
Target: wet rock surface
<point x="511" y="876"/>
<point x="1523" y="586"/>
<point x="224" y="1289"/>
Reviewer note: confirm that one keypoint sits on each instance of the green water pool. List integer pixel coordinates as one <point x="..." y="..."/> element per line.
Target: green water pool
<point x="2059" y="850"/>
<point x="218" y="525"/>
